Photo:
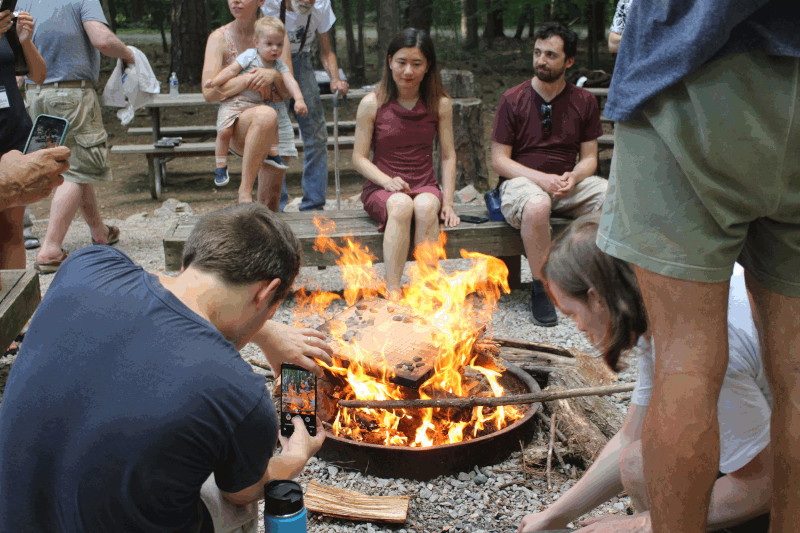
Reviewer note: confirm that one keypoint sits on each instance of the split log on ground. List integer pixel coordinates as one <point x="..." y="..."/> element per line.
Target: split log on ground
<point x="584" y="438"/>
<point x="602" y="412"/>
<point x="352" y="505"/>
<point x="465" y="403"/>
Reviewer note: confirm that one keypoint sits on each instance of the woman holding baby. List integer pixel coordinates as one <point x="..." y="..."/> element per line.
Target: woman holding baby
<point x="255" y="130"/>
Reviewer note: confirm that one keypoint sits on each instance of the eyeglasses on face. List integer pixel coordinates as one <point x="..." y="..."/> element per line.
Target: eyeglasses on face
<point x="547" y="121"/>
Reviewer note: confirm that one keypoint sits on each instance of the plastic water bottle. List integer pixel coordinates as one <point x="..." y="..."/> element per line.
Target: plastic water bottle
<point x="283" y="507"/>
<point x="173" y="85"/>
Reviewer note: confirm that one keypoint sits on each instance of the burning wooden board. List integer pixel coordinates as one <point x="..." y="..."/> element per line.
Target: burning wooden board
<point x="393" y="340"/>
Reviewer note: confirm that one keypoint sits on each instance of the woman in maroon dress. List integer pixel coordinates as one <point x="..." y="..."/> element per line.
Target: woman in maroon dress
<point x="398" y="122"/>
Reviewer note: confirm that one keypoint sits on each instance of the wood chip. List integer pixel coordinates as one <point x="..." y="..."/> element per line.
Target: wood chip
<point x="352" y="505"/>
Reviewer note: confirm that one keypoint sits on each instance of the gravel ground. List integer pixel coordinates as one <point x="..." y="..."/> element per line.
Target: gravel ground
<point x="488" y="499"/>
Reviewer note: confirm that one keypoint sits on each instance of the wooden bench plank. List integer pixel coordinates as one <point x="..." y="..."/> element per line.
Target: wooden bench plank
<point x="605" y="141"/>
<point x="497" y="239"/>
<point x="19" y="297"/>
<point x="203" y="148"/>
<point x="200" y="131"/>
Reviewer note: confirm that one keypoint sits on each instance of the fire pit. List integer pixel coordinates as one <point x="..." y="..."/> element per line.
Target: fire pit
<point x="427" y="463"/>
<point x="429" y="344"/>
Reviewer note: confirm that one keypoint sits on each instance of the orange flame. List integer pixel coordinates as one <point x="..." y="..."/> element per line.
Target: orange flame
<point x="459" y="304"/>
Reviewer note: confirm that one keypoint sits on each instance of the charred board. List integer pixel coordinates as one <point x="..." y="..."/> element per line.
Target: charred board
<point x="386" y="339"/>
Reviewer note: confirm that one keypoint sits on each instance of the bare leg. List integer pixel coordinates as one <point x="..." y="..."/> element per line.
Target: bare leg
<point x="12" y="242"/>
<point x="91" y="214"/>
<point x="396" y="239"/>
<point x="63" y="207"/>
<point x="535" y="232"/>
<point x="221" y="146"/>
<point x="632" y="473"/>
<point x="270" y="182"/>
<point x="426" y="218"/>
<point x="680" y="441"/>
<point x="254" y="132"/>
<point x="779" y="333"/>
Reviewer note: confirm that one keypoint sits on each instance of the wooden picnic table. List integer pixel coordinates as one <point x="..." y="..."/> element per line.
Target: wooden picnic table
<point x="165" y="101"/>
<point x="19" y="297"/>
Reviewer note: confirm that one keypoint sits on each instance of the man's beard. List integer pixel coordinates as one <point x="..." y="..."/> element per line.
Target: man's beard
<point x="550" y="75"/>
<point x="302" y="9"/>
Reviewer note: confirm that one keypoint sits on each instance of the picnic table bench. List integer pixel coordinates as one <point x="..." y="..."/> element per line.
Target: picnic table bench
<point x="497" y="239"/>
<point x="19" y="297"/>
<point x="157" y="157"/>
<point x="210" y="130"/>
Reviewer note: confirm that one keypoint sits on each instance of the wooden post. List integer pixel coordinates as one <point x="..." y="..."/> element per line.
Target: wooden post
<point x="468" y="138"/>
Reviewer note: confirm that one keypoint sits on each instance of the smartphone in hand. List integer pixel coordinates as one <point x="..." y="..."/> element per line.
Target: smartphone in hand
<point x="298" y="398"/>
<point x="9" y="5"/>
<point x="47" y="132"/>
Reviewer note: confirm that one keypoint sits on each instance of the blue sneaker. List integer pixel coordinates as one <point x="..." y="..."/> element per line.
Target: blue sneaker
<point x="276" y="161"/>
<point x="221" y="177"/>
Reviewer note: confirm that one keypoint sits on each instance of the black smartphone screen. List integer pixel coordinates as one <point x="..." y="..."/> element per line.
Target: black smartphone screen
<point x="47" y="132"/>
<point x="8" y="4"/>
<point x="298" y="398"/>
<point x="474" y="219"/>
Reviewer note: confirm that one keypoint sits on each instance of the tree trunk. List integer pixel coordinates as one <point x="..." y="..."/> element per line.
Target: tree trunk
<point x="110" y="12"/>
<point x="355" y="67"/>
<point x="361" y="72"/>
<point x="468" y="136"/>
<point x="188" y="31"/>
<point x="467" y="132"/>
<point x="137" y="10"/>
<point x="388" y="18"/>
<point x="525" y="19"/>
<point x="420" y="14"/>
<point x="459" y="83"/>
<point x="494" y="21"/>
<point x="469" y="23"/>
<point x="597" y="34"/>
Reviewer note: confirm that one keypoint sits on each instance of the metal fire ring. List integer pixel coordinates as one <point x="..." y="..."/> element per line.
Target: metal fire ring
<point x="426" y="463"/>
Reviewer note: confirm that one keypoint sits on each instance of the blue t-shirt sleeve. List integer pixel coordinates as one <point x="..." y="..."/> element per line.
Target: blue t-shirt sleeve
<point x="244" y="459"/>
<point x="93" y="10"/>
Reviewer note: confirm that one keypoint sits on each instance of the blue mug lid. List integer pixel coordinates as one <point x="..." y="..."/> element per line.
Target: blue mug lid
<point x="282" y="497"/>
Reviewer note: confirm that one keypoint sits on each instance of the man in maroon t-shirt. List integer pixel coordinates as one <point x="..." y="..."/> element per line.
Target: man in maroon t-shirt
<point x="541" y="127"/>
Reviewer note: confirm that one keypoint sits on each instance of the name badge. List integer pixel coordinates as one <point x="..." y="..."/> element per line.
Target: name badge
<point x="4" y="98"/>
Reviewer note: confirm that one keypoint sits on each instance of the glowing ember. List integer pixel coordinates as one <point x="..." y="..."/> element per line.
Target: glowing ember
<point x="446" y="311"/>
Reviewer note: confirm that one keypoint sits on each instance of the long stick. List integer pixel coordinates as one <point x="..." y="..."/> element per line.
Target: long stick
<point x="550" y="449"/>
<point x="481" y="401"/>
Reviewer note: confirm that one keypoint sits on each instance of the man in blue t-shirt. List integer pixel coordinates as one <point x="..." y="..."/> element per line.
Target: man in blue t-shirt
<point x="129" y="391"/>
<point x="707" y="173"/>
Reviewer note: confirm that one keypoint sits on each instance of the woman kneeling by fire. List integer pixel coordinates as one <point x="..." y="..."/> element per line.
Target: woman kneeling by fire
<point x="602" y="295"/>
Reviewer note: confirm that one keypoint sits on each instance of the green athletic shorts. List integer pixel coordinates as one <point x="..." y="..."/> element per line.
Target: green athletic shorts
<point x="709" y="173"/>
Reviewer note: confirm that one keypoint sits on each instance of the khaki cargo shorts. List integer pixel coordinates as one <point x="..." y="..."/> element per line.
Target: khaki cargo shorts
<point x="587" y="196"/>
<point x="86" y="136"/>
<point x="709" y="174"/>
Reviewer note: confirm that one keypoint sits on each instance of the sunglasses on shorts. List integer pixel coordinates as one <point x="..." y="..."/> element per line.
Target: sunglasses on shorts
<point x="547" y="121"/>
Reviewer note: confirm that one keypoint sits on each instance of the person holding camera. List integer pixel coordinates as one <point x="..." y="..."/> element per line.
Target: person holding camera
<point x="129" y="407"/>
<point x="15" y="125"/>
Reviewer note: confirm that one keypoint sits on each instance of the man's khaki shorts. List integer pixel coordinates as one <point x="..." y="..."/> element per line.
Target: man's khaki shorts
<point x="709" y="173"/>
<point x="86" y="136"/>
<point x="587" y="196"/>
